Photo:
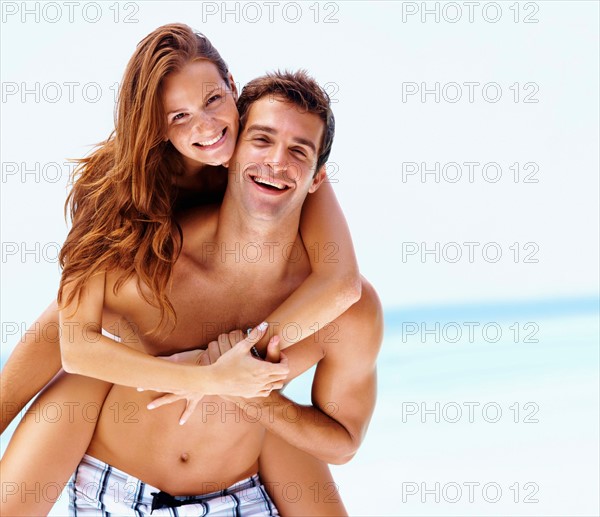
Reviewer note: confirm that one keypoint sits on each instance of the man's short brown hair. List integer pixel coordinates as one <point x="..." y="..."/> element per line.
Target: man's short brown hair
<point x="297" y="88"/>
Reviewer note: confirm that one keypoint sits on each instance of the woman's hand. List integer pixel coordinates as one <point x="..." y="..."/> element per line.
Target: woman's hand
<point x="238" y="372"/>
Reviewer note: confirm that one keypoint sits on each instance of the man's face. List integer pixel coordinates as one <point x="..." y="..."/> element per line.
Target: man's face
<point x="273" y="166"/>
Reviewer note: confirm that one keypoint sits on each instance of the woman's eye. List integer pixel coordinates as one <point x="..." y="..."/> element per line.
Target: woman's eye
<point x="179" y="116"/>
<point x="260" y="139"/>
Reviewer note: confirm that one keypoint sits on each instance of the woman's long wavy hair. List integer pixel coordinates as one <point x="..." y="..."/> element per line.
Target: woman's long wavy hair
<point x="122" y="195"/>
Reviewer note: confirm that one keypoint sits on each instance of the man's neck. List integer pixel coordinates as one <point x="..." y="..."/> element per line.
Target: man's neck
<point x="257" y="245"/>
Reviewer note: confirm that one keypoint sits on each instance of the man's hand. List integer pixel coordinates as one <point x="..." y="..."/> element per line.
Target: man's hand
<point x="242" y="375"/>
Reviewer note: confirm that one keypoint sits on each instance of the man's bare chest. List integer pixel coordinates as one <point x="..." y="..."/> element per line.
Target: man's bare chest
<point x="206" y="305"/>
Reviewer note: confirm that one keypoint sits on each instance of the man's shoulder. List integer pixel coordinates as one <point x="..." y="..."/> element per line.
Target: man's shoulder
<point x="369" y="303"/>
<point x="360" y="328"/>
<point x="367" y="309"/>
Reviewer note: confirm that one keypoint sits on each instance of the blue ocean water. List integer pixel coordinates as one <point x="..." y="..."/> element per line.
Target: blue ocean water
<point x="483" y="410"/>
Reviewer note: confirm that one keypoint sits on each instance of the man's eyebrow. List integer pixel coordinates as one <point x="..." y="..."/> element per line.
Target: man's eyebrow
<point x="307" y="143"/>
<point x="272" y="131"/>
<point x="258" y="127"/>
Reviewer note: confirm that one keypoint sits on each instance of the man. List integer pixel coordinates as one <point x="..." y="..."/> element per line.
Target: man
<point x="273" y="170"/>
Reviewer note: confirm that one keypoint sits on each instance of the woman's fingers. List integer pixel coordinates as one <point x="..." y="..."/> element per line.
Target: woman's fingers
<point x="253" y="337"/>
<point x="164" y="400"/>
<point x="277" y="385"/>
<point x="189" y="409"/>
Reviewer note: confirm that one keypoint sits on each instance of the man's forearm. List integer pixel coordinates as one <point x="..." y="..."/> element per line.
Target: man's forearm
<point x="305" y="427"/>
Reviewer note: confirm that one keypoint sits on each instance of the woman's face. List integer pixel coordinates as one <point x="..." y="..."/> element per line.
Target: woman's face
<point x="202" y="117"/>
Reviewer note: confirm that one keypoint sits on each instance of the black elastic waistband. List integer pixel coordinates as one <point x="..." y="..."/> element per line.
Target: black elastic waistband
<point x="165" y="500"/>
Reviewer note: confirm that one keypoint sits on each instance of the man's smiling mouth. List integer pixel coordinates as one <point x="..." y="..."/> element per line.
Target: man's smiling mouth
<point x="270" y="184"/>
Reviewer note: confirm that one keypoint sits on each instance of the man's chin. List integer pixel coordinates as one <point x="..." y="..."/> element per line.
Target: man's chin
<point x="266" y="214"/>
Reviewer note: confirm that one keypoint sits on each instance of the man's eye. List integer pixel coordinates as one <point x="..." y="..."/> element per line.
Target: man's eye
<point x="213" y="99"/>
<point x="299" y="152"/>
<point x="260" y="139"/>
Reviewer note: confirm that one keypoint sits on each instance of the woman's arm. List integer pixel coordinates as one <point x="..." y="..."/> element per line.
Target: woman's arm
<point x="85" y="351"/>
<point x="334" y="284"/>
<point x="32" y="364"/>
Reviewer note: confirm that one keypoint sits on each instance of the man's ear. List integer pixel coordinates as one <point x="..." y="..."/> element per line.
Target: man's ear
<point x="234" y="91"/>
<point x="318" y="178"/>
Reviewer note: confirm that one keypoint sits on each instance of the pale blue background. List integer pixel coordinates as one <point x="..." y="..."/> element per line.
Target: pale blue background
<point x="365" y="57"/>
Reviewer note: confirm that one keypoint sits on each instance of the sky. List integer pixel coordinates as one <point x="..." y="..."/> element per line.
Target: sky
<point x="466" y="152"/>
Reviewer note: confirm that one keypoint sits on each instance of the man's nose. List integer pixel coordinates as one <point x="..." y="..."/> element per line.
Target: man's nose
<point x="277" y="158"/>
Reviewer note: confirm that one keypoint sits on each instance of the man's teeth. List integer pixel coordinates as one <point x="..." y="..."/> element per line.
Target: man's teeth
<point x="279" y="186"/>
<point x="213" y="141"/>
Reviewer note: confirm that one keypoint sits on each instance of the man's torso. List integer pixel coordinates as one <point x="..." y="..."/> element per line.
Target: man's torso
<point x="218" y="445"/>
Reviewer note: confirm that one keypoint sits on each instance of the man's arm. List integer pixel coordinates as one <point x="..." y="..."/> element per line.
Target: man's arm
<point x="344" y="388"/>
<point x="31" y="365"/>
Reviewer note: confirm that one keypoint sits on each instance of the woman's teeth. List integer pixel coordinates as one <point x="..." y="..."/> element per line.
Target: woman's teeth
<point x="213" y="141"/>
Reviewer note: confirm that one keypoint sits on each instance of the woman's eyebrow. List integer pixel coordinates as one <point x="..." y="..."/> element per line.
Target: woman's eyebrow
<point x="207" y="94"/>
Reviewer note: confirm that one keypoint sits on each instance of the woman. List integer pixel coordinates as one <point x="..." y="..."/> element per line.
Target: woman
<point x="122" y="207"/>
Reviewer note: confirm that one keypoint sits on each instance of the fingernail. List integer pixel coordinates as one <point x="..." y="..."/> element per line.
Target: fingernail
<point x="181" y="422"/>
<point x="263" y="326"/>
<point x="140" y="389"/>
<point x="150" y="406"/>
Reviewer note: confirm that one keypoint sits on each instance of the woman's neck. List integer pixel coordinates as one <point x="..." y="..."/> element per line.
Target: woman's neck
<point x="205" y="185"/>
<point x="198" y="176"/>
